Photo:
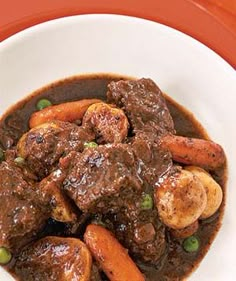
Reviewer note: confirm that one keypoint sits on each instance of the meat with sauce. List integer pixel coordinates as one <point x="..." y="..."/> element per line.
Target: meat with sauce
<point x="25" y="211"/>
<point x="99" y="179"/>
<point x="43" y="146"/>
<point x="144" y="104"/>
<point x="141" y="231"/>
<point x="55" y="259"/>
<point x="122" y="180"/>
<point x="112" y="179"/>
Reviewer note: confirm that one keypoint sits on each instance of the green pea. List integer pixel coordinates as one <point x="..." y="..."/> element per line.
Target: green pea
<point x="43" y="103"/>
<point x="191" y="244"/>
<point x="147" y="202"/>
<point x="19" y="160"/>
<point x="1" y="155"/>
<point x="90" y="144"/>
<point x="5" y="255"/>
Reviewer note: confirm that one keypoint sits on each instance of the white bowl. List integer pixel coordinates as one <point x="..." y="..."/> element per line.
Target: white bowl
<point x="188" y="71"/>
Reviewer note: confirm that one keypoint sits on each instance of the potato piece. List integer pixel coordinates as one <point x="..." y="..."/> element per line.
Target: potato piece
<point x="110" y="124"/>
<point x="55" y="259"/>
<point x="61" y="206"/>
<point x="213" y="191"/>
<point x="39" y="147"/>
<point x="23" y="143"/>
<point x="180" y="199"/>
<point x="110" y="254"/>
<point x="185" y="232"/>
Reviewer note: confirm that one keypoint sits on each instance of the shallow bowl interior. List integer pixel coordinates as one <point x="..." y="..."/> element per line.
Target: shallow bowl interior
<point x="185" y="69"/>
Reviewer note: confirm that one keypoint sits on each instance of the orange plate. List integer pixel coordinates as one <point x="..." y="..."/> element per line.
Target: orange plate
<point x="212" y="25"/>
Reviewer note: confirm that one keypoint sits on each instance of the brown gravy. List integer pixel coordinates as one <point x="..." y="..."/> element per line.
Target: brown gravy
<point x="176" y="264"/>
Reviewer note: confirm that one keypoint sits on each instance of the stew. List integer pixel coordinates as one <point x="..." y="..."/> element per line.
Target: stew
<point x="104" y="177"/>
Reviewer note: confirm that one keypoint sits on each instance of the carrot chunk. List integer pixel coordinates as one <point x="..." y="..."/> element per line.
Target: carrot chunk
<point x="68" y="111"/>
<point x="111" y="255"/>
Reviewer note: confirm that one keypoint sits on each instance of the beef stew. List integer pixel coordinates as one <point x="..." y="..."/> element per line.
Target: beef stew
<point x="114" y="157"/>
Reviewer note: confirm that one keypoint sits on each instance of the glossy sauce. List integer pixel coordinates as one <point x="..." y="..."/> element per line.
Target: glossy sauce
<point x="175" y="263"/>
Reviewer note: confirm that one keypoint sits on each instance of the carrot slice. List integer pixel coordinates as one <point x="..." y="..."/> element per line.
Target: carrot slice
<point x="68" y="111"/>
<point x="192" y="151"/>
<point x="111" y="255"/>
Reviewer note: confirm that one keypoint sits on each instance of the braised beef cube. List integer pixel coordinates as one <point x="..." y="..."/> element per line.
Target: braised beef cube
<point x="54" y="259"/>
<point x="144" y="104"/>
<point x="43" y="146"/>
<point x="153" y="161"/>
<point x="24" y="208"/>
<point x="100" y="178"/>
<point x="141" y="232"/>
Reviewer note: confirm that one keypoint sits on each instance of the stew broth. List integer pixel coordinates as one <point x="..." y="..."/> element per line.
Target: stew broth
<point x="175" y="264"/>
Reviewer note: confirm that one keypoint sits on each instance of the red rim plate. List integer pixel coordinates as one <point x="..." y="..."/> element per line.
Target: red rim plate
<point x="184" y="15"/>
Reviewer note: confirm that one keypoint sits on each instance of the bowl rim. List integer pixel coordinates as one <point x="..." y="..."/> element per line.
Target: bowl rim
<point x="215" y="26"/>
<point x="46" y="24"/>
<point x="31" y="30"/>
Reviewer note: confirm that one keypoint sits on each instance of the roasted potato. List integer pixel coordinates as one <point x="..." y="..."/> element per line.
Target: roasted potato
<point x="55" y="259"/>
<point x="109" y="123"/>
<point x="180" y="199"/>
<point x="61" y="208"/>
<point x="213" y="191"/>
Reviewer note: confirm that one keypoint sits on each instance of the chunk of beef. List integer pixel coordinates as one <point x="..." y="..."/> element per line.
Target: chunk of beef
<point x="153" y="161"/>
<point x="100" y="178"/>
<point x="55" y="259"/>
<point x="143" y="103"/>
<point x="141" y="232"/>
<point x="43" y="146"/>
<point x="24" y="208"/>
